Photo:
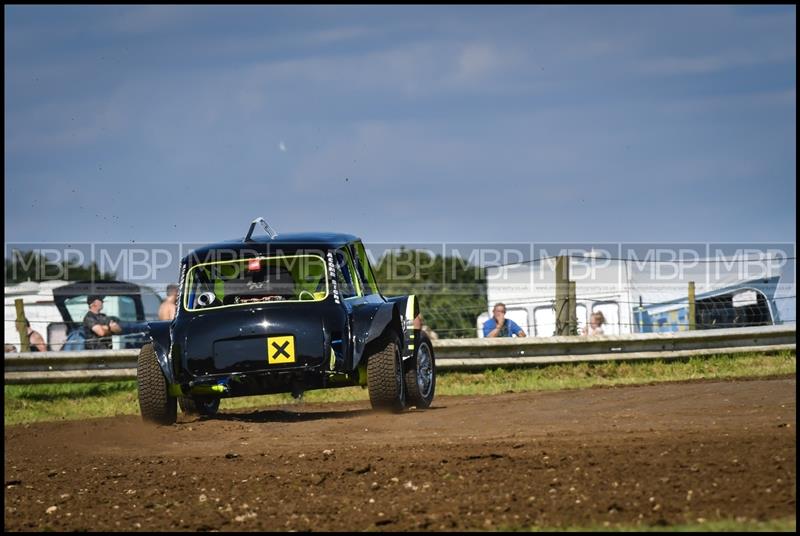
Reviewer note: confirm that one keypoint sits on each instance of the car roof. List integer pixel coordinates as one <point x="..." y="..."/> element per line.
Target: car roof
<point x="286" y="242"/>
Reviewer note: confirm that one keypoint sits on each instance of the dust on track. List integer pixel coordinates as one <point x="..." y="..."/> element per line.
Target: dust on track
<point x="659" y="454"/>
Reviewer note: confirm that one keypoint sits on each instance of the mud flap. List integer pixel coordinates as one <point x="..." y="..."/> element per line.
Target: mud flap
<point x="159" y="334"/>
<point x="408" y="308"/>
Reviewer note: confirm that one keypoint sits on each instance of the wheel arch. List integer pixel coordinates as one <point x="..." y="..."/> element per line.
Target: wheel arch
<point x="160" y="336"/>
<point x="407" y="309"/>
<point x="387" y="320"/>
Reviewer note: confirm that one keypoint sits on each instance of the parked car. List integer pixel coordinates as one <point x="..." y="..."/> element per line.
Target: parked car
<point x="283" y="314"/>
<point x="56" y="309"/>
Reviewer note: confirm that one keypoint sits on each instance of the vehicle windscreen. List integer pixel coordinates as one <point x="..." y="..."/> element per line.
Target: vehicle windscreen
<point x="255" y="281"/>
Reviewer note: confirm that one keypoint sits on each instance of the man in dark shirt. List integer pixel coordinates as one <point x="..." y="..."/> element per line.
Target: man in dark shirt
<point x="98" y="327"/>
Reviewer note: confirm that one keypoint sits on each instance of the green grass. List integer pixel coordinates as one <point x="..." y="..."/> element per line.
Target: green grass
<point x="33" y="403"/>
<point x="730" y="525"/>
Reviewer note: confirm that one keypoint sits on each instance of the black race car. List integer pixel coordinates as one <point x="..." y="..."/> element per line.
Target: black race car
<point x="283" y="314"/>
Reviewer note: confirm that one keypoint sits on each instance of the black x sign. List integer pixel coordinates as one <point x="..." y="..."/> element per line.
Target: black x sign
<point x="280" y="349"/>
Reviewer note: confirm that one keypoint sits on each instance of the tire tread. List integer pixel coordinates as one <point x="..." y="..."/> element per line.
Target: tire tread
<point x="381" y="381"/>
<point x="155" y="403"/>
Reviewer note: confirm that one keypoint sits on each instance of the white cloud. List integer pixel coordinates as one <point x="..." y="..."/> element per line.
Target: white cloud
<point x="414" y="69"/>
<point x="476" y="60"/>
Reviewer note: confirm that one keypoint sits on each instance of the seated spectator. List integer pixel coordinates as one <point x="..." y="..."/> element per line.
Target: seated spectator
<point x="167" y="309"/>
<point x="595" y="326"/>
<point x="10" y="348"/>
<point x="36" y="339"/>
<point x="97" y="326"/>
<point x="500" y="326"/>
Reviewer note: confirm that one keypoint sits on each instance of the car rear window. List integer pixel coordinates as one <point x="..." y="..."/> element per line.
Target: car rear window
<point x="256" y="281"/>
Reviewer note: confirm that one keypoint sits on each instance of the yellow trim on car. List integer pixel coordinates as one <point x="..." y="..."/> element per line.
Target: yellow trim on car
<point x="410" y="303"/>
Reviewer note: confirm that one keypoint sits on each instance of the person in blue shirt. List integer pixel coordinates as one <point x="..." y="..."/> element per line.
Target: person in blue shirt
<point x="500" y="326"/>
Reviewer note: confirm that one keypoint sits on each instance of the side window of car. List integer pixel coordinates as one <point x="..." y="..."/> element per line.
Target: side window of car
<point x="365" y="275"/>
<point x="344" y="275"/>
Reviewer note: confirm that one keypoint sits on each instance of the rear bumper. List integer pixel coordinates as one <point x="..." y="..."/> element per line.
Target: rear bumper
<point x="263" y="382"/>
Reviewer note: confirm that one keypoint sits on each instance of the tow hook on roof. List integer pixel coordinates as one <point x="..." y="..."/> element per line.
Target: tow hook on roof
<point x="270" y="231"/>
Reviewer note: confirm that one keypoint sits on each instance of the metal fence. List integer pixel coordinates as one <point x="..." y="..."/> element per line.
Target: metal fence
<point x="465" y="354"/>
<point x="451" y="354"/>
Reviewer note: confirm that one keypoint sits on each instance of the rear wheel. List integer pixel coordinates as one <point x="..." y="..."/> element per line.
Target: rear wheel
<point x="385" y="377"/>
<point x="199" y="405"/>
<point x="155" y="402"/>
<point x="420" y="375"/>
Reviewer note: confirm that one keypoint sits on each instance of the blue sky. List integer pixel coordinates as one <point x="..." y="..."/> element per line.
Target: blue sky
<point x="407" y="124"/>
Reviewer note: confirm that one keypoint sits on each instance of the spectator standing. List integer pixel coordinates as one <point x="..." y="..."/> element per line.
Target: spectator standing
<point x="500" y="326"/>
<point x="595" y="326"/>
<point x="35" y="338"/>
<point x="167" y="309"/>
<point x="99" y="327"/>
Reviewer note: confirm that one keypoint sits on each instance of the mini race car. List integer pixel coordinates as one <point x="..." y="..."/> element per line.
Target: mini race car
<point x="283" y="314"/>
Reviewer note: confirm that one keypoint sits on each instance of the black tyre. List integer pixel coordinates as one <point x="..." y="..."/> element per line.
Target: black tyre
<point x="197" y="405"/>
<point x="385" y="377"/>
<point x="155" y="402"/>
<point x="420" y="374"/>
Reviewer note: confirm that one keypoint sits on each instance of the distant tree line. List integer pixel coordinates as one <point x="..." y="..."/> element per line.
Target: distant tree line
<point x="451" y="292"/>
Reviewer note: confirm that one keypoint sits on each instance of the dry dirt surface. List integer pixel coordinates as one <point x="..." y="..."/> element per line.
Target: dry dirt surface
<point x="658" y="454"/>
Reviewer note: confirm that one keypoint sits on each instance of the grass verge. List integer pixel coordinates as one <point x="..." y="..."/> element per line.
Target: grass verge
<point x="34" y="403"/>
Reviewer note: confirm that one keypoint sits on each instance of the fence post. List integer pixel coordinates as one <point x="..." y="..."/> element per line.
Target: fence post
<point x="562" y="295"/>
<point x="692" y="320"/>
<point x="573" y="312"/>
<point x="641" y="315"/>
<point x="22" y="328"/>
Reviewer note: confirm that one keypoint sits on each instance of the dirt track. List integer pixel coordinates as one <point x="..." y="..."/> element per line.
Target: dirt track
<point x="658" y="454"/>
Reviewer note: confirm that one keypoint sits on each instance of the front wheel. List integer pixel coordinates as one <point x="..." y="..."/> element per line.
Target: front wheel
<point x="385" y="377"/>
<point x="420" y="374"/>
<point x="155" y="402"/>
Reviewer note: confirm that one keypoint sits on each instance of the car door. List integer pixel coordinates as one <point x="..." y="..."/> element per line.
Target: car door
<point x="372" y="314"/>
<point x="342" y="340"/>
